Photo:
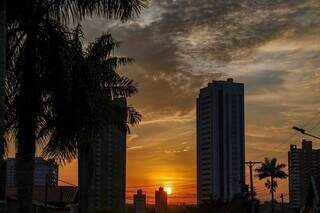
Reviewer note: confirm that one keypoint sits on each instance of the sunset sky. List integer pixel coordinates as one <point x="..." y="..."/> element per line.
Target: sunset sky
<point x="272" y="46"/>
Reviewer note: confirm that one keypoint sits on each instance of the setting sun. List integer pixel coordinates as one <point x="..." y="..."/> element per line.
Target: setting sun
<point x="168" y="190"/>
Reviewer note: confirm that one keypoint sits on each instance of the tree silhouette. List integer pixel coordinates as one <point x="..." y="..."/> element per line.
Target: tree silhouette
<point x="3" y="45"/>
<point x="31" y="61"/>
<point x="271" y="170"/>
<point x="33" y="30"/>
<point x="87" y="98"/>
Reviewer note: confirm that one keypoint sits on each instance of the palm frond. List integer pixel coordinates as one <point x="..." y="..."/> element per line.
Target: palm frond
<point x="270" y="169"/>
<point x="88" y="95"/>
<point x="281" y="166"/>
<point x="102" y="48"/>
<point x="134" y="118"/>
<point x="271" y="186"/>
<point x="281" y="174"/>
<point x="120" y="9"/>
<point x="121" y="87"/>
<point x="61" y="151"/>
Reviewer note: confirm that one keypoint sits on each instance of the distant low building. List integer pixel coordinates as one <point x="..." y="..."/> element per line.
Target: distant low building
<point x="59" y="199"/>
<point x="304" y="163"/>
<point x="42" y="169"/>
<point x="139" y="202"/>
<point x="161" y="201"/>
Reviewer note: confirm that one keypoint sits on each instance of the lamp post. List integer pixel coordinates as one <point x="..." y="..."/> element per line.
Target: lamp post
<point x="304" y="132"/>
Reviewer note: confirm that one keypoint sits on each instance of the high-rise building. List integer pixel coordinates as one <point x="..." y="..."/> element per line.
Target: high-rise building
<point x="3" y="172"/>
<point x="139" y="202"/>
<point x="42" y="169"/>
<point x="303" y="163"/>
<point x="220" y="141"/>
<point x="108" y="170"/>
<point x="161" y="201"/>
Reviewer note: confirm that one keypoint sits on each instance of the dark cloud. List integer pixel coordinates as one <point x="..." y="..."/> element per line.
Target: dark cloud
<point x="180" y="45"/>
<point x="264" y="81"/>
<point x="167" y="94"/>
<point x="201" y="36"/>
<point x="231" y="29"/>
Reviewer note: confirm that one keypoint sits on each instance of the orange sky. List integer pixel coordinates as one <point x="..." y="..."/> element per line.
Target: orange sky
<point x="183" y="188"/>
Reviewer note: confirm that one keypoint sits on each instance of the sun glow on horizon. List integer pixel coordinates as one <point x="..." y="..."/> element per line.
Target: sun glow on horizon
<point x="168" y="189"/>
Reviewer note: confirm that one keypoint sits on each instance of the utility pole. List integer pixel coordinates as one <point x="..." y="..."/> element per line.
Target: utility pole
<point x="282" y="203"/>
<point x="251" y="164"/>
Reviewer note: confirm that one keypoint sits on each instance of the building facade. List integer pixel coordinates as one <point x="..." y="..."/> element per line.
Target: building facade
<point x="161" y="201"/>
<point x="304" y="163"/>
<point x="108" y="171"/>
<point x="140" y="202"/>
<point x="220" y="141"/>
<point x="42" y="169"/>
<point x="59" y="199"/>
<point x="3" y="172"/>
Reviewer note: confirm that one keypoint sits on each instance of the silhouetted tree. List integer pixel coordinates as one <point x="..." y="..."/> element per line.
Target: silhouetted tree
<point x="31" y="61"/>
<point x="33" y="27"/>
<point x="3" y="44"/>
<point x="85" y="101"/>
<point x="271" y="170"/>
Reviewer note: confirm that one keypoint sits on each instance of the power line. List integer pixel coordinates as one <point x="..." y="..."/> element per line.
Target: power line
<point x="284" y="142"/>
<point x="136" y="187"/>
<point x="66" y="182"/>
<point x="315" y="126"/>
<point x="177" y="186"/>
<point x="305" y="124"/>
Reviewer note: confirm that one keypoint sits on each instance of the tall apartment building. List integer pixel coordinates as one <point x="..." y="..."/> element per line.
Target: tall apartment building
<point x="220" y="141"/>
<point x="140" y="202"/>
<point x="3" y="172"/>
<point x="161" y="201"/>
<point x="303" y="163"/>
<point x="42" y="169"/>
<point x="108" y="171"/>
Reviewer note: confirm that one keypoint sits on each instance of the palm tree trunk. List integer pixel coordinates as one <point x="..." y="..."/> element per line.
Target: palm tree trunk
<point x="3" y="41"/>
<point x="27" y="111"/>
<point x="83" y="177"/>
<point x="272" y="195"/>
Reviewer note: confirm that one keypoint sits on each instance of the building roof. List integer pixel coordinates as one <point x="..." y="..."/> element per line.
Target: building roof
<point x="56" y="194"/>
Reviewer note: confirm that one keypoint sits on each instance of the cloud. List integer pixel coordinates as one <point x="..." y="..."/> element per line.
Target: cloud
<point x="180" y="45"/>
<point x="134" y="148"/>
<point x="185" y="34"/>
<point x="167" y="96"/>
<point x="264" y="81"/>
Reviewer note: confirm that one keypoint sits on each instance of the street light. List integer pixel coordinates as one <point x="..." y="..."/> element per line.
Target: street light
<point x="304" y="132"/>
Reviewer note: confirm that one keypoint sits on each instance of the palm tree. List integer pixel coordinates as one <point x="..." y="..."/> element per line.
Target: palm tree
<point x="26" y="91"/>
<point x="271" y="170"/>
<point x="31" y="22"/>
<point x="3" y="44"/>
<point x="85" y="101"/>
